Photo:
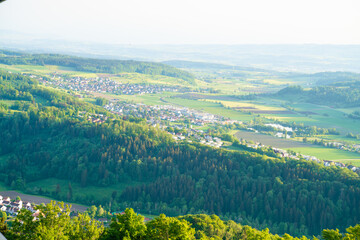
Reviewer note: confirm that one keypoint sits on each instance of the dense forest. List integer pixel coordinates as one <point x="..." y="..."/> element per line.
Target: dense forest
<point x="94" y="65"/>
<point x="48" y="133"/>
<point x="326" y="78"/>
<point x="343" y="94"/>
<point x="55" y="221"/>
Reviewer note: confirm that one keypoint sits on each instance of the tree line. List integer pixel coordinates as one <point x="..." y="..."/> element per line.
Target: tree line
<point x="55" y="221"/>
<point x="95" y="65"/>
<point x="343" y="94"/>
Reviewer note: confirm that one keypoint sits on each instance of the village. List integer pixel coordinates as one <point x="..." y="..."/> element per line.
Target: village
<point x="183" y="123"/>
<point x="13" y="207"/>
<point x="104" y="85"/>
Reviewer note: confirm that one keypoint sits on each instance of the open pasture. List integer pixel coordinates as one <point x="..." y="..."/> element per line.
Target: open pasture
<point x="309" y="114"/>
<point x="329" y="154"/>
<point x="303" y="148"/>
<point x="270" y="140"/>
<point x="199" y="96"/>
<point x="149" y="79"/>
<point x="210" y="107"/>
<point x="250" y="106"/>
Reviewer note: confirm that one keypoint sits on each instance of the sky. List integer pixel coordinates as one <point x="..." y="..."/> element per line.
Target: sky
<point x="185" y="21"/>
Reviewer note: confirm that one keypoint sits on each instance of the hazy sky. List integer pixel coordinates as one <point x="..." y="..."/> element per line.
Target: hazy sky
<point x="186" y="21"/>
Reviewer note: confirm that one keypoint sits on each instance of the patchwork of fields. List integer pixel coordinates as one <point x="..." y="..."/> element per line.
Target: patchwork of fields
<point x="303" y="148"/>
<point x="231" y="87"/>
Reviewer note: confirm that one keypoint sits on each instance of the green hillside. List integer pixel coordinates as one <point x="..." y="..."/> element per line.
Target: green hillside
<point x="344" y="94"/>
<point x="94" y="65"/>
<point x="49" y="134"/>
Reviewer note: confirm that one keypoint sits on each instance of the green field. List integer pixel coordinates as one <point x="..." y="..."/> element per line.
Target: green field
<point x="341" y="138"/>
<point x="48" y="70"/>
<point x="355" y="162"/>
<point x="149" y="79"/>
<point x="303" y="148"/>
<point x="241" y="82"/>
<point x="269" y="140"/>
<point x="211" y="107"/>
<point x="328" y="153"/>
<point x="306" y="113"/>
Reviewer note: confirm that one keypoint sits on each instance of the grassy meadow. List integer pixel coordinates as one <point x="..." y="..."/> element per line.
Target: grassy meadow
<point x="210" y="107"/>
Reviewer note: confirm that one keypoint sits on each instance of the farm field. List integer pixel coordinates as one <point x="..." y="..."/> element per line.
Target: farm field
<point x="241" y="82"/>
<point x="303" y="148"/>
<point x="45" y="70"/>
<point x="149" y="79"/>
<point x="246" y="106"/>
<point x="325" y="117"/>
<point x="330" y="154"/>
<point x="341" y="138"/>
<point x="210" y="107"/>
<point x="306" y="113"/>
<point x="270" y="140"/>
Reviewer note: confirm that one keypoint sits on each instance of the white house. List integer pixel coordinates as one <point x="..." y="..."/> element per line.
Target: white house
<point x="27" y="205"/>
<point x="3" y="208"/>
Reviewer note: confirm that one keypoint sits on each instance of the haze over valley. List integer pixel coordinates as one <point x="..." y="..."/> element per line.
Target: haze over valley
<point x="181" y="120"/>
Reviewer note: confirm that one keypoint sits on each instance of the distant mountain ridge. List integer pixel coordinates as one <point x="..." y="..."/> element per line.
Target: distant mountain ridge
<point x="94" y="65"/>
<point x="309" y="58"/>
<point x="209" y="65"/>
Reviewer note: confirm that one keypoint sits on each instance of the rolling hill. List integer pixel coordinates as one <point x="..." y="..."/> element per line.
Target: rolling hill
<point x="48" y="134"/>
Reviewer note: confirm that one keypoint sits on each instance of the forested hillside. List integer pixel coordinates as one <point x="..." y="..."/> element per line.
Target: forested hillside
<point x="326" y="78"/>
<point x="343" y="94"/>
<point x="94" y="65"/>
<point x="47" y="133"/>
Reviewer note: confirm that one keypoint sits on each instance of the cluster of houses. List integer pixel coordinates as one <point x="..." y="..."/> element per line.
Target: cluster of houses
<point x="163" y="115"/>
<point x="198" y="136"/>
<point x="13" y="207"/>
<point x="279" y="127"/>
<point x="93" y="117"/>
<point x="212" y="141"/>
<point x="105" y="85"/>
<point x="163" y="112"/>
